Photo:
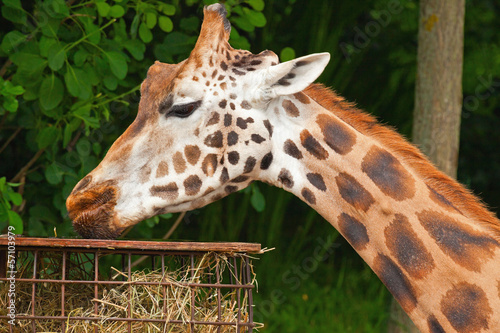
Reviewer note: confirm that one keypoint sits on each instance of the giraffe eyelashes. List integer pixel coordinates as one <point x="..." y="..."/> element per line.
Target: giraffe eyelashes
<point x="183" y="110"/>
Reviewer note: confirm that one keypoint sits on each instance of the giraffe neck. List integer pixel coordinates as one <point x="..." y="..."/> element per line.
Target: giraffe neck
<point x="441" y="265"/>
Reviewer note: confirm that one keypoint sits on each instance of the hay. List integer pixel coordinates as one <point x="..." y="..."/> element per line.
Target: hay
<point x="140" y="297"/>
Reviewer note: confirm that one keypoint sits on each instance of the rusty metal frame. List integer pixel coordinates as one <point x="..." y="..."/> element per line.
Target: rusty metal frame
<point x="42" y="248"/>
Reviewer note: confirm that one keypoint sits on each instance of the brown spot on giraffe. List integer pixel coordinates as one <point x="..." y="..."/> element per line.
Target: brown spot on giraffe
<point x="192" y="185"/>
<point x="434" y="325"/>
<point x="230" y="189"/>
<point x="179" y="162"/>
<point x="302" y="98"/>
<point x="249" y="164"/>
<point x="168" y="192"/>
<point x="467" y="247"/>
<point x="290" y="108"/>
<point x="337" y="135"/>
<point x="269" y="127"/>
<point x="317" y="181"/>
<point x="214" y="140"/>
<point x="388" y="174"/>
<point x="396" y="281"/>
<point x="266" y="161"/>
<point x="222" y="104"/>
<point x="162" y="169"/>
<point x="285" y="178"/>
<point x="353" y="192"/>
<point x="408" y="249"/>
<point x="209" y="164"/>
<point x="233" y="157"/>
<point x="354" y="231"/>
<point x="466" y="307"/>
<point x="290" y="148"/>
<point x="192" y="154"/>
<point x="232" y="138"/>
<point x="214" y="119"/>
<point x="246" y="105"/>
<point x="228" y="119"/>
<point x="257" y="138"/>
<point x="312" y="145"/>
<point x="145" y="174"/>
<point x="308" y="195"/>
<point x="240" y="179"/>
<point x="224" y="176"/>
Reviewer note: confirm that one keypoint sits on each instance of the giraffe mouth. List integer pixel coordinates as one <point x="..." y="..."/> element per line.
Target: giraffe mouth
<point x="92" y="213"/>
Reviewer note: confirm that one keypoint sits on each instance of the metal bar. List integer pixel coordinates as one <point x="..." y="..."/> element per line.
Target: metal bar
<point x="238" y="297"/>
<point x="35" y="263"/>
<point x="192" y="293"/>
<point x="140" y="283"/>
<point x="219" y="306"/>
<point x="195" y="322"/>
<point x="63" y="288"/>
<point x="249" y="293"/>
<point x="96" y="285"/>
<point x="129" y="310"/>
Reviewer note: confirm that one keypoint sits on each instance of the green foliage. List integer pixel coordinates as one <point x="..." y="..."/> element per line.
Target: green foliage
<point x="9" y="198"/>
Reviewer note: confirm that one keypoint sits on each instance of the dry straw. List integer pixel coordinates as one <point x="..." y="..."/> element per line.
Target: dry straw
<point x="148" y="294"/>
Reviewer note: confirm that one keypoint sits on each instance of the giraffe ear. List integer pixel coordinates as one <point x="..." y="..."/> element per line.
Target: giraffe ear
<point x="295" y="75"/>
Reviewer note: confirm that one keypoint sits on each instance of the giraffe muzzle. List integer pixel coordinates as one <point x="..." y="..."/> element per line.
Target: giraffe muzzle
<point x="92" y="212"/>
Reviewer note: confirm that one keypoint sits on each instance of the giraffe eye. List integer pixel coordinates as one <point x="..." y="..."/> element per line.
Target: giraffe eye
<point x="184" y="110"/>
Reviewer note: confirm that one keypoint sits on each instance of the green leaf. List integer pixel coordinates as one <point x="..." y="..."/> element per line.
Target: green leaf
<point x="56" y="55"/>
<point x="165" y="23"/>
<point x="116" y="11"/>
<point x="77" y="82"/>
<point x="10" y="104"/>
<point x="110" y="82"/>
<point x="16" y="222"/>
<point x="11" y="40"/>
<point x="167" y="9"/>
<point x="47" y="136"/>
<point x="69" y="130"/>
<point x="150" y="20"/>
<point x="256" y="4"/>
<point x="286" y="54"/>
<point x="255" y="18"/>
<point x="53" y="174"/>
<point x="15" y="198"/>
<point x="45" y="45"/>
<point x="103" y="8"/>
<point x="92" y="31"/>
<point x="15" y="15"/>
<point x="28" y="62"/>
<point x="136" y="48"/>
<point x="60" y="7"/>
<point x="80" y="57"/>
<point x="257" y="199"/>
<point x="12" y="89"/>
<point x="118" y="64"/>
<point x="13" y="3"/>
<point x="144" y="33"/>
<point x="51" y="92"/>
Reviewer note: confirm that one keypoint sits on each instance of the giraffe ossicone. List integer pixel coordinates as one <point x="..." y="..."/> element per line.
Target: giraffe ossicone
<point x="213" y="123"/>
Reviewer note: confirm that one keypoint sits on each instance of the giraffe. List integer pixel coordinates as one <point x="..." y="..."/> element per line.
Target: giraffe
<point x="223" y="118"/>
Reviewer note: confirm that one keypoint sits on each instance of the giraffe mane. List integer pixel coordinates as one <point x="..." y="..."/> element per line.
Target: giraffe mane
<point x="460" y="197"/>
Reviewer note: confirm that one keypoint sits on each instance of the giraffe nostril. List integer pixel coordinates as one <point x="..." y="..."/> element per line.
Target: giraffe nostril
<point x="83" y="183"/>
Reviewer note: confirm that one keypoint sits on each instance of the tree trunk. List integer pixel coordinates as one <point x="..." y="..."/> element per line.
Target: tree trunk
<point x="438" y="98"/>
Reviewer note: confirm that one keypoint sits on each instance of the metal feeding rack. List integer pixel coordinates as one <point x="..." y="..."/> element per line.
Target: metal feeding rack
<point x="79" y="285"/>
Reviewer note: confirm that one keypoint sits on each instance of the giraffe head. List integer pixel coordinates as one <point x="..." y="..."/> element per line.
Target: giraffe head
<point x="203" y="130"/>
